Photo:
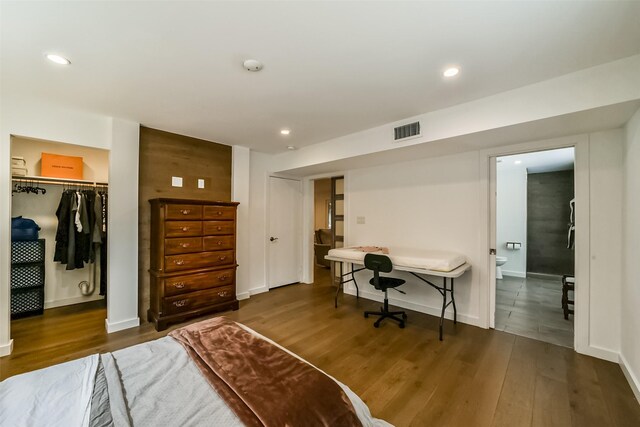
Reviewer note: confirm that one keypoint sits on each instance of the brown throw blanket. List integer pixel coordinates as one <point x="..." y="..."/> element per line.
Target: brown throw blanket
<point x="263" y="384"/>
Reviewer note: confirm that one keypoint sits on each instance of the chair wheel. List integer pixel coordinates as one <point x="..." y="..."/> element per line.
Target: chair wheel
<point x="402" y="325"/>
<point x="375" y="325"/>
<point x="366" y="316"/>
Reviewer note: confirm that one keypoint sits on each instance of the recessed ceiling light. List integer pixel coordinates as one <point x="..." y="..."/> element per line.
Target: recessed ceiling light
<point x="517" y="162"/>
<point x="58" y="59"/>
<point x="451" y="71"/>
<point x="285" y="131"/>
<point x="290" y="147"/>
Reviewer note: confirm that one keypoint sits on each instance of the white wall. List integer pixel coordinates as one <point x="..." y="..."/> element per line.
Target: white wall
<point x="48" y="121"/>
<point x="605" y="178"/>
<point x="429" y="204"/>
<point x="240" y="192"/>
<point x="122" y="276"/>
<point x="511" y="218"/>
<point x="630" y="301"/>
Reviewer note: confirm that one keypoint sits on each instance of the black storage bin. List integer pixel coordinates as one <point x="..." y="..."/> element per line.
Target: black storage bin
<point x="27" y="302"/>
<point x="27" y="251"/>
<point x="27" y="278"/>
<point x="27" y="275"/>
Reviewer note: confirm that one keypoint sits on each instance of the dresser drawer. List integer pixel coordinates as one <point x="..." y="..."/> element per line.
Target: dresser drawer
<point x="196" y="300"/>
<point x="218" y="243"/>
<point x="183" y="212"/>
<point x="197" y="282"/>
<point x="212" y="228"/>
<point x="219" y="212"/>
<point x="198" y="260"/>
<point x="182" y="228"/>
<point x="182" y="245"/>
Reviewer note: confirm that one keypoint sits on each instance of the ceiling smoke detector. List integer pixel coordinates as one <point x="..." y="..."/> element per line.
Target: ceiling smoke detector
<point x="252" y="65"/>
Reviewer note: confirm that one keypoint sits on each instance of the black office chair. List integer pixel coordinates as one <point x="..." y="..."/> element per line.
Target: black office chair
<point x="381" y="263"/>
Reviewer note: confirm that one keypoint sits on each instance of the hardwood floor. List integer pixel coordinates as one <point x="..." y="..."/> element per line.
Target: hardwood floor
<point x="474" y="377"/>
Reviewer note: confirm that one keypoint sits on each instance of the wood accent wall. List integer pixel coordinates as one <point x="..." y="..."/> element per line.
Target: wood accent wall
<point x="163" y="155"/>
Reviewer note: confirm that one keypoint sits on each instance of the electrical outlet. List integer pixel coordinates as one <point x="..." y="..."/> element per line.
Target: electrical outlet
<point x="360" y="220"/>
<point x="176" y="181"/>
<point x="200" y="183"/>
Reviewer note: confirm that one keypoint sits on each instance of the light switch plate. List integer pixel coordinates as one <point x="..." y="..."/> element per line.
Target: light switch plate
<point x="200" y="183"/>
<point x="360" y="220"/>
<point x="176" y="181"/>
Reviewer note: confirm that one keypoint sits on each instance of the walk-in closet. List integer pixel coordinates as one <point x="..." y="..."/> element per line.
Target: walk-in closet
<point x="59" y="210"/>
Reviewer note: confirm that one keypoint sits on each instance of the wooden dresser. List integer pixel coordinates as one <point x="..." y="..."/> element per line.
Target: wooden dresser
<point x="193" y="259"/>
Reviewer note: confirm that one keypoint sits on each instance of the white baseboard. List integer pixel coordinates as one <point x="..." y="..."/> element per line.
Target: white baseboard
<point x="520" y="274"/>
<point x="243" y="295"/>
<point x="121" y="325"/>
<point x="71" y="301"/>
<point x="599" y="353"/>
<point x="422" y="308"/>
<point x="260" y="290"/>
<point x="631" y="378"/>
<point x="6" y="349"/>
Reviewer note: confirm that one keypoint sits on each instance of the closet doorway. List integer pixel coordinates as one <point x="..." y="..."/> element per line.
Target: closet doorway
<point x="59" y="209"/>
<point x="534" y="242"/>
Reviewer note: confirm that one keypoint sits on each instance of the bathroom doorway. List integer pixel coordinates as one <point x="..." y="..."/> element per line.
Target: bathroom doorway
<point x="535" y="258"/>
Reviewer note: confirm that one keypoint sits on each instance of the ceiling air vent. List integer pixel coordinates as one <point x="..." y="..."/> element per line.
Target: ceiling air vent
<point x="406" y="131"/>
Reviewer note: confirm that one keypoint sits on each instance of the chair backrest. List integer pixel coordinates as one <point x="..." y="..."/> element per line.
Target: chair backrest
<point x="378" y="263"/>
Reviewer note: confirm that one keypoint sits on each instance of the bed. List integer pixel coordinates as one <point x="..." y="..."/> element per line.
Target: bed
<point x="200" y="375"/>
<point x="417" y="262"/>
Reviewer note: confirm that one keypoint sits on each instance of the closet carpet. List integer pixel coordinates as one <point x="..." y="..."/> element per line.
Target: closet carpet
<point x="475" y="377"/>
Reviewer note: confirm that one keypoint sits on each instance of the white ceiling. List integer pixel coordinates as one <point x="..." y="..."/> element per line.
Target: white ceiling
<point x="331" y="68"/>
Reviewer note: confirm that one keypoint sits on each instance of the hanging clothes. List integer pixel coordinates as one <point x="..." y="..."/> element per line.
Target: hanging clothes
<point x="103" y="246"/>
<point x="81" y="228"/>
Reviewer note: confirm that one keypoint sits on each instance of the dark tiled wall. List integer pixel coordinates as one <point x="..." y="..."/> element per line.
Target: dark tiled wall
<point x="548" y="196"/>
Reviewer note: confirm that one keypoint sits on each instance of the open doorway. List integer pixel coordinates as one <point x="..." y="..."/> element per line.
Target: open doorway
<point x="59" y="233"/>
<point x="328" y="222"/>
<point x="535" y="259"/>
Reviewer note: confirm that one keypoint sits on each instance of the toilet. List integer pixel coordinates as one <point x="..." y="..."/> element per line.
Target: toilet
<point x="500" y="261"/>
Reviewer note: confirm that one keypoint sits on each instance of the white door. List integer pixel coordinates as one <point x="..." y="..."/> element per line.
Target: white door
<point x="285" y="237"/>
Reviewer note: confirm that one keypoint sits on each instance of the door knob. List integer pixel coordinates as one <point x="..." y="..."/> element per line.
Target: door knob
<point x="273" y="239"/>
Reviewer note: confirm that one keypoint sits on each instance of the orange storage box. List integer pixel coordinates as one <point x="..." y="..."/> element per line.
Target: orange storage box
<point x="59" y="166"/>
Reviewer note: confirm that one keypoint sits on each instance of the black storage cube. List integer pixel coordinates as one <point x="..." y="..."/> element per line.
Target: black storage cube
<point x="27" y="251"/>
<point x="27" y="302"/>
<point x="27" y="275"/>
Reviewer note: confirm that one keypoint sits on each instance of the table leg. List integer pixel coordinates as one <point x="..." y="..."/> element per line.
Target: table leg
<point x="444" y="306"/>
<point x="338" y="288"/>
<point x="453" y="301"/>
<point x="353" y="276"/>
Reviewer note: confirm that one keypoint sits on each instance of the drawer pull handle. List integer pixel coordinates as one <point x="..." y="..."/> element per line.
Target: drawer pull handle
<point x="185" y="211"/>
<point x="219" y="213"/>
<point x="179" y="285"/>
<point x="181" y="303"/>
<point x="222" y="258"/>
<point x="178" y="261"/>
<point x="219" y="242"/>
<point x="185" y="245"/>
<point x="222" y="278"/>
<point x="185" y="228"/>
<point x="222" y="294"/>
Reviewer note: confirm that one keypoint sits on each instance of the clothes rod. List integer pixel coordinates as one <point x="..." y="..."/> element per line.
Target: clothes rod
<point x="58" y="181"/>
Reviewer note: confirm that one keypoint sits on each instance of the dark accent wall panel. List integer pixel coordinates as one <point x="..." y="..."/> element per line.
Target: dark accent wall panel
<point x="163" y="155"/>
<point x="548" y="197"/>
